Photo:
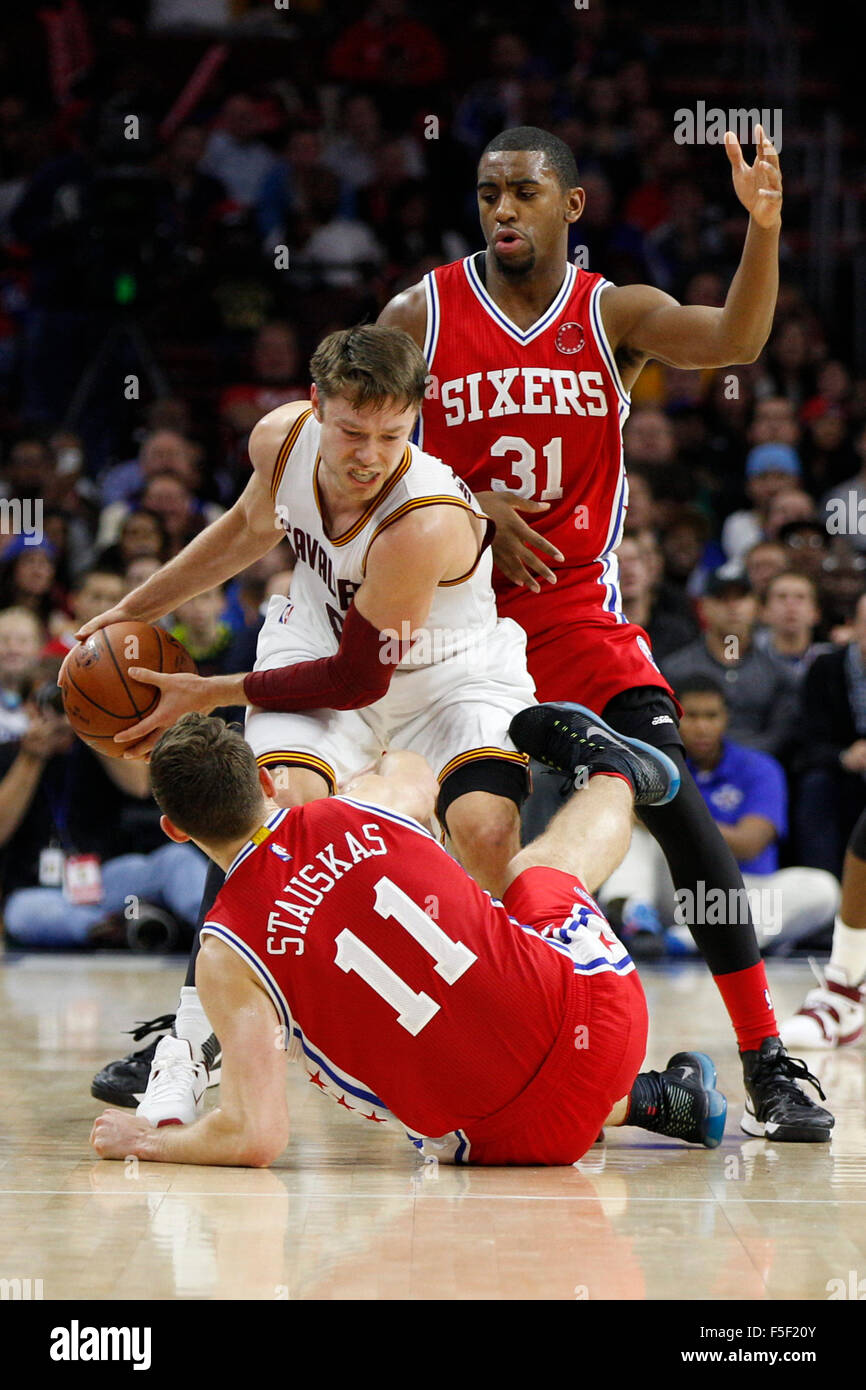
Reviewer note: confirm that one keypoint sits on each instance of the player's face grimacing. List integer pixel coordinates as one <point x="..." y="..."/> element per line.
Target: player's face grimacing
<point x="360" y="447"/>
<point x="524" y="209"/>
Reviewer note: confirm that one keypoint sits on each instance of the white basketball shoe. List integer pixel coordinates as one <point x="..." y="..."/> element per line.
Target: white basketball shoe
<point x="831" y="1015"/>
<point x="176" y="1086"/>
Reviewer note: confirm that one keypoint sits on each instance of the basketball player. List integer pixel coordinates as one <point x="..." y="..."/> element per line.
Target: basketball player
<point x="531" y="361"/>
<point x="493" y="1032"/>
<point x="832" y="1014"/>
<point x="390" y="638"/>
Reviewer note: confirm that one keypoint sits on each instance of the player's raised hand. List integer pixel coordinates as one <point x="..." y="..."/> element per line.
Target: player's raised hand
<point x="180" y="694"/>
<point x="516" y="545"/>
<point x="758" y="186"/>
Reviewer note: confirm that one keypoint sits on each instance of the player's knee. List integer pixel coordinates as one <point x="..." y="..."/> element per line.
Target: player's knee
<point x="484" y="829"/>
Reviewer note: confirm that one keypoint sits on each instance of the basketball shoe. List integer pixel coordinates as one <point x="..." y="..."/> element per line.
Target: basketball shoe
<point x="176" y="1085"/>
<point x="571" y="739"/>
<point x="830" y="1016"/>
<point x="124" y="1081"/>
<point x="776" y="1108"/>
<point x="681" y="1101"/>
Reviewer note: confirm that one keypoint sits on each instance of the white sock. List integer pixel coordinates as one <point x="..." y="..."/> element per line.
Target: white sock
<point x="191" y="1022"/>
<point x="849" y="951"/>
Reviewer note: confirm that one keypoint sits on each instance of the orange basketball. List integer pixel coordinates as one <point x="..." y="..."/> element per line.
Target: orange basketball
<point x="100" y="698"/>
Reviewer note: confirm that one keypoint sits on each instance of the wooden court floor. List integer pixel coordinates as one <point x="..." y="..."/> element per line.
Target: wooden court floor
<point x="350" y="1212"/>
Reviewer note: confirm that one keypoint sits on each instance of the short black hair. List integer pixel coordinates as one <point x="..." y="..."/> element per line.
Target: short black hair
<point x="531" y="137"/>
<point x="699" y="684"/>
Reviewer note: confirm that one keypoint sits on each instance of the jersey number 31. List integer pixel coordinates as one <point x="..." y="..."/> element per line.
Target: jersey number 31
<point x="451" y="959"/>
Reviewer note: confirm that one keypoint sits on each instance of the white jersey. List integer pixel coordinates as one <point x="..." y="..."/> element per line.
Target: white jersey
<point x="329" y="570"/>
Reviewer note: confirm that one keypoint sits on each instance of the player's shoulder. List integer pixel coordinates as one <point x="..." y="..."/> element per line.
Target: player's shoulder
<point x="752" y="763"/>
<point x="272" y="429"/>
<point x="407" y="310"/>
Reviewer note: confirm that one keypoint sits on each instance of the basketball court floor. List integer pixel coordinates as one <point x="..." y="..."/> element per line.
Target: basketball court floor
<point x="350" y="1212"/>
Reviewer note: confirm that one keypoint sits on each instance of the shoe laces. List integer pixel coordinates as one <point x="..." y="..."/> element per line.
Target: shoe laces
<point x="153" y="1025"/>
<point x="786" y="1071"/>
<point x="170" y="1077"/>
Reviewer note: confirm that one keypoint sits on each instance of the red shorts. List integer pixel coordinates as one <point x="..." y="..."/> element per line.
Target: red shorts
<point x="601" y="1044"/>
<point x="578" y="647"/>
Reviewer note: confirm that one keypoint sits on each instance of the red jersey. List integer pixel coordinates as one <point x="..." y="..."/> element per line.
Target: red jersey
<point x="540" y="413"/>
<point x="404" y="989"/>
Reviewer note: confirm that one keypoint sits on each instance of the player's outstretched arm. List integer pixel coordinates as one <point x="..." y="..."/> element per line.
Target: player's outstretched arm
<point x="250" y="1128"/>
<point x="646" y="322"/>
<point x="246" y="532"/>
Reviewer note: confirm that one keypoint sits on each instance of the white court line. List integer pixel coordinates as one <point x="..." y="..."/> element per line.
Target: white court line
<point x="432" y="1196"/>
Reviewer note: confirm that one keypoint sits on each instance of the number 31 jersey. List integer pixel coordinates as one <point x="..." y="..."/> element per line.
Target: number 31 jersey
<point x="402" y="988"/>
<point x="536" y="412"/>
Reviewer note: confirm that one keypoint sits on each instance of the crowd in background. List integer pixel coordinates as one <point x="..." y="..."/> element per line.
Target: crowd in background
<point x="165" y="282"/>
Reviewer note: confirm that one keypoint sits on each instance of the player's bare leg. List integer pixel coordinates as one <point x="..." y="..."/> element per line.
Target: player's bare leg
<point x="484" y="830"/>
<point x="403" y="782"/>
<point x="295" y="786"/>
<point x="832" y="1015"/>
<point x="588" y="837"/>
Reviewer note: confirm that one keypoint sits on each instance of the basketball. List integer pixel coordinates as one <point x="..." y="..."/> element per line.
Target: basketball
<point x="100" y="698"/>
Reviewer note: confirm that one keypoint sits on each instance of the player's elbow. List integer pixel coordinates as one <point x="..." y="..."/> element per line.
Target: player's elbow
<point x="263" y="1146"/>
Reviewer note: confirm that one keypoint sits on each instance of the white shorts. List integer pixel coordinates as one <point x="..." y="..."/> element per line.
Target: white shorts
<point x="453" y="712"/>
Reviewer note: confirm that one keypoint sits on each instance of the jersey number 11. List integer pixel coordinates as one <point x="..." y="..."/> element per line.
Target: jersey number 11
<point x="451" y="958"/>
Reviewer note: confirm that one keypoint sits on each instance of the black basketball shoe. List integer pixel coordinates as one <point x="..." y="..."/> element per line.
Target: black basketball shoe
<point x="776" y="1108"/>
<point x="681" y="1101"/>
<point x="571" y="739"/>
<point x="124" y="1082"/>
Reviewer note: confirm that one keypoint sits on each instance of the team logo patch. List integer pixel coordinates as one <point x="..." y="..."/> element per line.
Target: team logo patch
<point x="569" y="337"/>
<point x="644" y="647"/>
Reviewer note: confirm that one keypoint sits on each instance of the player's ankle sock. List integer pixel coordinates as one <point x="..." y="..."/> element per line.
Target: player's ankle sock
<point x="747" y="1000"/>
<point x="191" y="1021"/>
<point x="645" y="1102"/>
<point x="849" y="951"/>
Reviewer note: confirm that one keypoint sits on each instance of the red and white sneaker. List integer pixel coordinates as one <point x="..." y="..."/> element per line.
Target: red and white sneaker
<point x="831" y="1015"/>
<point x="176" y="1086"/>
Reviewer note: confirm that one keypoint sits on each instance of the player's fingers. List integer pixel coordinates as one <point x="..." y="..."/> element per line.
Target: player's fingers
<point x="527" y="536"/>
<point x="528" y="504"/>
<point x="537" y="565"/>
<point x="513" y="569"/>
<point x="733" y="150"/>
<point x="140" y="673"/>
<point x="140" y="730"/>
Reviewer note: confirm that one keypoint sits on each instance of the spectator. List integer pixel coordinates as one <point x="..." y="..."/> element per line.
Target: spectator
<point x="28" y="579"/>
<point x="774" y="421"/>
<point x="142" y="533"/>
<point x="831" y="791"/>
<point x="234" y="155"/>
<point x="174" y="502"/>
<point x="770" y="469"/>
<point x="388" y="47"/>
<point x="61" y="803"/>
<point x="139" y="570"/>
<point x="790" y="616"/>
<point x="95" y="592"/>
<point x="747" y="796"/>
<point x="21" y="639"/>
<point x="689" y="555"/>
<point x="340" y="252"/>
<point x="844" y="506"/>
<point x="162" y="451"/>
<point x="668" y="630"/>
<point x="761" y="693"/>
<point x="789" y="504"/>
<point x="790" y="355"/>
<point x="276" y="376"/>
<point x="805" y="543"/>
<point x="842" y="579"/>
<point x="761" y="563"/>
<point x="649" y="438"/>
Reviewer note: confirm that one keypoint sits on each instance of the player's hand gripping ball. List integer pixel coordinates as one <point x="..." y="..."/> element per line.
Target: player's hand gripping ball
<point x="100" y="697"/>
